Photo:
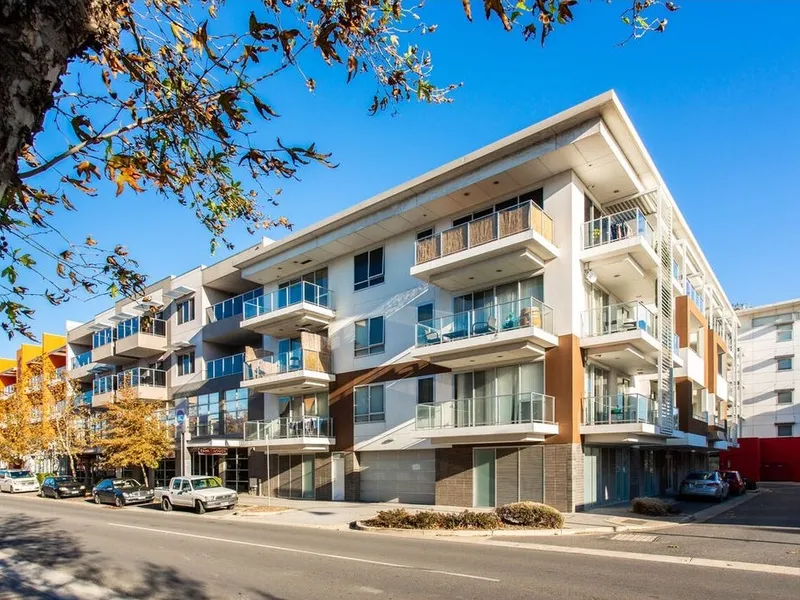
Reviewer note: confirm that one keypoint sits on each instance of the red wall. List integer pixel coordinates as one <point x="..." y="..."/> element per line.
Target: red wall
<point x="768" y="459"/>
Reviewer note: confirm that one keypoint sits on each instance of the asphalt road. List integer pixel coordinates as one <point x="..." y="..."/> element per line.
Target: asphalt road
<point x="67" y="549"/>
<point x="765" y="529"/>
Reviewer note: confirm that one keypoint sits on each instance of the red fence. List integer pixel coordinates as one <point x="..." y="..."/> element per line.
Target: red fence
<point x="764" y="459"/>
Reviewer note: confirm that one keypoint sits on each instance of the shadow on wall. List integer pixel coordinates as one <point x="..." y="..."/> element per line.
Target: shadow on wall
<point x="761" y="365"/>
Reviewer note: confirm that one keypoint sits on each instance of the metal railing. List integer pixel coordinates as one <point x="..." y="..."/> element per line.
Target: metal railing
<point x="104" y="385"/>
<point x="285" y="428"/>
<point x="676" y="343"/>
<point x="500" y="224"/>
<point x="286" y="362"/>
<point x="141" y="376"/>
<point x="619" y="226"/>
<point x="148" y="325"/>
<point x="496" y="318"/>
<point x="232" y="306"/>
<point x="695" y="296"/>
<point x="510" y="409"/>
<point x="302" y="291"/>
<point x="227" y="365"/>
<point x="82" y="359"/>
<point x="676" y="270"/>
<point x="9" y="389"/>
<point x="103" y="337"/>
<point x="615" y="318"/>
<point x="619" y="409"/>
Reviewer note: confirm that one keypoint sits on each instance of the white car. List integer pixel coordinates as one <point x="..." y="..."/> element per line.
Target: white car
<point x="17" y="480"/>
<point x="200" y="492"/>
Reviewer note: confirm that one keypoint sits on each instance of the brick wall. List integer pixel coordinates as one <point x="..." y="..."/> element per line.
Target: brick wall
<point x="563" y="476"/>
<point x="323" y="477"/>
<point x="454" y="476"/>
<point x="352" y="477"/>
<point x="506" y="476"/>
<point x="531" y="469"/>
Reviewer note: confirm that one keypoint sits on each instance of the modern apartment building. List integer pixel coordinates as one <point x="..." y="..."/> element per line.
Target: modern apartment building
<point x="534" y="320"/>
<point x="769" y="342"/>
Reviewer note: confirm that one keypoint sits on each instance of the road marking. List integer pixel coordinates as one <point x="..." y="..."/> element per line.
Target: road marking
<point x="306" y="552"/>
<point x="659" y="558"/>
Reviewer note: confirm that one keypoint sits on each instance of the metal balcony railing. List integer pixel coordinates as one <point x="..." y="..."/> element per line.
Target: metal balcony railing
<point x="302" y="291"/>
<point x="103" y="337"/>
<point x="495" y="318"/>
<point x="148" y="325"/>
<point x="285" y="428"/>
<point x="227" y="365"/>
<point x="286" y="362"/>
<point x="104" y="385"/>
<point x="500" y="224"/>
<point x="232" y="306"/>
<point x="695" y="296"/>
<point x="82" y="359"/>
<point x="619" y="226"/>
<point x="510" y="409"/>
<point x="619" y="409"/>
<point x="615" y="318"/>
<point x="141" y="376"/>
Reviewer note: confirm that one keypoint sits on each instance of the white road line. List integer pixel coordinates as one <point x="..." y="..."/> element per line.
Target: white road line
<point x="659" y="558"/>
<point x="299" y="551"/>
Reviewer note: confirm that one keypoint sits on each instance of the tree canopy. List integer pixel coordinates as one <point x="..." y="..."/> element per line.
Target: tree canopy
<point x="170" y="97"/>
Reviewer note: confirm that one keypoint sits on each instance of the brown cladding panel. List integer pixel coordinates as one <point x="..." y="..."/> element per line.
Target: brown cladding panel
<point x="682" y="320"/>
<point x="564" y="381"/>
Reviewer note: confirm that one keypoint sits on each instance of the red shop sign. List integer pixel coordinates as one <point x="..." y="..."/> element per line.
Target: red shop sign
<point x="213" y="451"/>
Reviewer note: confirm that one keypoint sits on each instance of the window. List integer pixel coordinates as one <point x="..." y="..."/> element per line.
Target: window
<point x="424" y="234"/>
<point x="535" y="196"/>
<point x="186" y="364"/>
<point x="770" y="319"/>
<point x="235" y="410"/>
<point x="784" y="363"/>
<point x="424" y="321"/>
<point x="783" y="332"/>
<point x="186" y="311"/>
<point x="784" y="429"/>
<point x="425" y="312"/>
<point x="721" y="363"/>
<point x="368" y="269"/>
<point x="369" y="405"/>
<point x="369" y="336"/>
<point x="785" y="396"/>
<point x="425" y="390"/>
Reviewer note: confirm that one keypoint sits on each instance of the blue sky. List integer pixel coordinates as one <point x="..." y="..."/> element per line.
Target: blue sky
<point x="715" y="103"/>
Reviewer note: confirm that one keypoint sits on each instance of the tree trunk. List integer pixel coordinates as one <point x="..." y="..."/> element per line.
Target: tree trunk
<point x="38" y="40"/>
<point x="144" y="475"/>
<point x="71" y="464"/>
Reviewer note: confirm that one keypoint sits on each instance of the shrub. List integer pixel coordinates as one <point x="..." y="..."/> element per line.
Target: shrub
<point x="41" y="476"/>
<point x="531" y="514"/>
<point x="427" y="519"/>
<point x="470" y="520"/>
<point x="652" y="507"/>
<point x="397" y="518"/>
<point x="400" y="518"/>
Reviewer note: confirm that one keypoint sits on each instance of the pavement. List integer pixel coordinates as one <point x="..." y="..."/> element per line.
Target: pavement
<point x="75" y="550"/>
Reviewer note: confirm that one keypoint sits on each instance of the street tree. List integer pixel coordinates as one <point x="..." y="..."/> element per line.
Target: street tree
<point x="72" y="430"/>
<point x="176" y="98"/>
<point x="134" y="435"/>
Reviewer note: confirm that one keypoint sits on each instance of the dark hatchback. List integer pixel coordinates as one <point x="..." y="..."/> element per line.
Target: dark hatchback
<point x="61" y="487"/>
<point x="120" y="492"/>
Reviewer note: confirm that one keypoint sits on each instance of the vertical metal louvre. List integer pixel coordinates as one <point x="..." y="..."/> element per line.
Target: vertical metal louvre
<point x="665" y="310"/>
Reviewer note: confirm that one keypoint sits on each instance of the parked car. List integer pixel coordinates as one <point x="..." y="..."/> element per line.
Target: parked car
<point x="61" y="487"/>
<point x="18" y="480"/>
<point x="120" y="492"/>
<point x="708" y="484"/>
<point x="735" y="482"/>
<point x="200" y="492"/>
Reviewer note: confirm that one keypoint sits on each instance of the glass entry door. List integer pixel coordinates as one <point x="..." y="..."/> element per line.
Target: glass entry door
<point x="483" y="474"/>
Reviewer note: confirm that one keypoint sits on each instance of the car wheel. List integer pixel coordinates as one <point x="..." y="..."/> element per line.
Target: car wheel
<point x="119" y="501"/>
<point x="166" y="505"/>
<point x="56" y="495"/>
<point x="97" y="499"/>
<point x="200" y="508"/>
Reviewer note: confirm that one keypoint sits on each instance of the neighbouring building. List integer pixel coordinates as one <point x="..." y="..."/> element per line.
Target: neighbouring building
<point x="769" y="443"/>
<point x="534" y="320"/>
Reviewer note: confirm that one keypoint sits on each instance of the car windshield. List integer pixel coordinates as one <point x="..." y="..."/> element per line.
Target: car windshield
<point x="20" y="474"/>
<point x="126" y="484"/>
<point x="63" y="479"/>
<point x="700" y="475"/>
<point x="729" y="474"/>
<point x="206" y="482"/>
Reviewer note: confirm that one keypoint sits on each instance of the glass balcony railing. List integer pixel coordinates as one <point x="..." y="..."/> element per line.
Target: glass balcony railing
<point x="619" y="409"/>
<point x="508" y="316"/>
<point x="285" y="428"/>
<point x="498" y="225"/>
<point x="676" y="270"/>
<point x="695" y="296"/>
<point x="619" y="226"/>
<point x="232" y="306"/>
<point x="103" y="337"/>
<point x="303" y="291"/>
<point x="82" y="399"/>
<point x="511" y="409"/>
<point x="616" y="318"/>
<point x="82" y="359"/>
<point x="286" y="362"/>
<point x="141" y="376"/>
<point x="227" y="365"/>
<point x="146" y="325"/>
<point x="104" y="385"/>
<point x="676" y="343"/>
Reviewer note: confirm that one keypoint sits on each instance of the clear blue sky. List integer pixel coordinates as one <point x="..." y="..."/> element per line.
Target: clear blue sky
<point x="715" y="101"/>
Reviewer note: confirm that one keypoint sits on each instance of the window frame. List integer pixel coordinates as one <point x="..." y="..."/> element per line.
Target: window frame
<point x="784" y="392"/>
<point x="432" y="380"/>
<point x="182" y="358"/>
<point x="778" y="429"/>
<point x="370" y="349"/>
<point x="369" y="416"/>
<point x="183" y="308"/>
<point x="784" y="328"/>
<point x="371" y="280"/>
<point x="789" y="357"/>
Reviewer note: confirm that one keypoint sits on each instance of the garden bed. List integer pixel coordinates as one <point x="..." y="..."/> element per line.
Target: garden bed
<point x="520" y="515"/>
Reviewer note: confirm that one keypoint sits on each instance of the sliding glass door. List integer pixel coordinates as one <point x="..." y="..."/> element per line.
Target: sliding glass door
<point x="504" y="395"/>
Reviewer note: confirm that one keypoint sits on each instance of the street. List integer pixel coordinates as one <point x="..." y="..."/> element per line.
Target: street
<point x="72" y="549"/>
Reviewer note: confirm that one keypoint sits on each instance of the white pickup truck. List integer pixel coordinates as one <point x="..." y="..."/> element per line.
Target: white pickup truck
<point x="200" y="492"/>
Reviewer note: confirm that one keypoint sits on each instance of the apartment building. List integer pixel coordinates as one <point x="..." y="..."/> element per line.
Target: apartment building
<point x="532" y="321"/>
<point x="769" y="447"/>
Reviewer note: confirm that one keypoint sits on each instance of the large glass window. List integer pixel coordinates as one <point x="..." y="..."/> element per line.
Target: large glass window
<point x="165" y="472"/>
<point x="368" y="269"/>
<point x="369" y="337"/>
<point x="235" y="408"/>
<point x="185" y="311"/>
<point x="369" y="404"/>
<point x="236" y="470"/>
<point x="101" y="338"/>
<point x="186" y="363"/>
<point x="425" y="387"/>
<point x="204" y="415"/>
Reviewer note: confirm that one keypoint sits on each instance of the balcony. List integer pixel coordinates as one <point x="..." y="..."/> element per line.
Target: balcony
<point x="82" y="399"/>
<point x="620" y="418"/>
<point x="103" y="390"/>
<point x="693" y="367"/>
<point x="227" y="365"/>
<point x="103" y="346"/>
<point x="620" y="250"/>
<point x="289" y="373"/>
<point x="527" y="417"/>
<point x="623" y="336"/>
<point x="695" y="296"/>
<point x="302" y="305"/>
<point x="146" y="384"/>
<point x="502" y="333"/>
<point x="289" y="434"/>
<point x="506" y="243"/>
<point x="141" y="337"/>
<point x="81" y="366"/>
<point x="223" y="324"/>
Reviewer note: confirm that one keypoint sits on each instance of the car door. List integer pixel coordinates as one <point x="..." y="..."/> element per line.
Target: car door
<point x="102" y="491"/>
<point x="47" y="486"/>
<point x="3" y="478"/>
<point x="185" y="494"/>
<point x="175" y="491"/>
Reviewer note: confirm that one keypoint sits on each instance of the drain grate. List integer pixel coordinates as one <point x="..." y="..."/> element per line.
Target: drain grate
<point x="634" y="537"/>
